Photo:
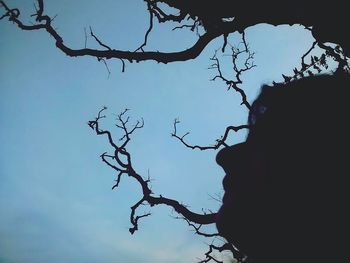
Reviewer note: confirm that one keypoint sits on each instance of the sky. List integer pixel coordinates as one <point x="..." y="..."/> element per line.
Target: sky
<point x="56" y="202"/>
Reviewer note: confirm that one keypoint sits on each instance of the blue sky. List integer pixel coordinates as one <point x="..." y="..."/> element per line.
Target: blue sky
<point x="56" y="200"/>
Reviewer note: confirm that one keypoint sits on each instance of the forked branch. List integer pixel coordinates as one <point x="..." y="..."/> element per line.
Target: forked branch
<point x="236" y="54"/>
<point x="121" y="162"/>
<point x="219" y="142"/>
<point x="45" y="22"/>
<point x="209" y="257"/>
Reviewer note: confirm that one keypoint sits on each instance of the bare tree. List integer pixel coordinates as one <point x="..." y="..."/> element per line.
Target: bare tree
<point x="121" y="161"/>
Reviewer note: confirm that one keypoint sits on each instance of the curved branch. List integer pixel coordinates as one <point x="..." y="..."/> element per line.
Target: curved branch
<point x="197" y="229"/>
<point x="203" y="219"/>
<point x="211" y="17"/>
<point x="110" y="53"/>
<point x="162" y="57"/>
<point x="135" y="219"/>
<point x="123" y="166"/>
<point x="95" y="126"/>
<point x="149" y="28"/>
<point x="217" y="145"/>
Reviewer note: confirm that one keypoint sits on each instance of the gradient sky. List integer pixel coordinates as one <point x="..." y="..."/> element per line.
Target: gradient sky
<point x="56" y="202"/>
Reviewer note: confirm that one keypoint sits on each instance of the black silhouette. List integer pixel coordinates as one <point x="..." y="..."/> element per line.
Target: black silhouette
<point x="327" y="22"/>
<point x="286" y="188"/>
<point x="292" y="160"/>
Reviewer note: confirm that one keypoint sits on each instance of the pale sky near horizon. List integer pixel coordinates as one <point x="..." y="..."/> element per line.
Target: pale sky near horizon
<point x="56" y="202"/>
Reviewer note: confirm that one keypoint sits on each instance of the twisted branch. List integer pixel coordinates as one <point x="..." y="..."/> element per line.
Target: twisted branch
<point x="121" y="161"/>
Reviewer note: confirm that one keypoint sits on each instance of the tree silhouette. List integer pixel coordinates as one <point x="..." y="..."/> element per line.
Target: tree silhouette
<point x="208" y="20"/>
<point x="220" y="18"/>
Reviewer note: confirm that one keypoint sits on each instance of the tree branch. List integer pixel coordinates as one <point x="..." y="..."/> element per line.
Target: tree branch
<point x="319" y="63"/>
<point x="217" y="145"/>
<point x="162" y="57"/>
<point x="149" y="5"/>
<point x="121" y="162"/>
<point x="248" y="64"/>
<point x="224" y="247"/>
<point x="135" y="219"/>
<point x="213" y="23"/>
<point x="197" y="229"/>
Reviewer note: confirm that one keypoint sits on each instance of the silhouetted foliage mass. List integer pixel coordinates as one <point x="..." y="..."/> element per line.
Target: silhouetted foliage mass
<point x="286" y="186"/>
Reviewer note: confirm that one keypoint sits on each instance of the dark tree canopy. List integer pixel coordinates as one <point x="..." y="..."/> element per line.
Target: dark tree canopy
<point x="328" y="21"/>
<point x="286" y="186"/>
